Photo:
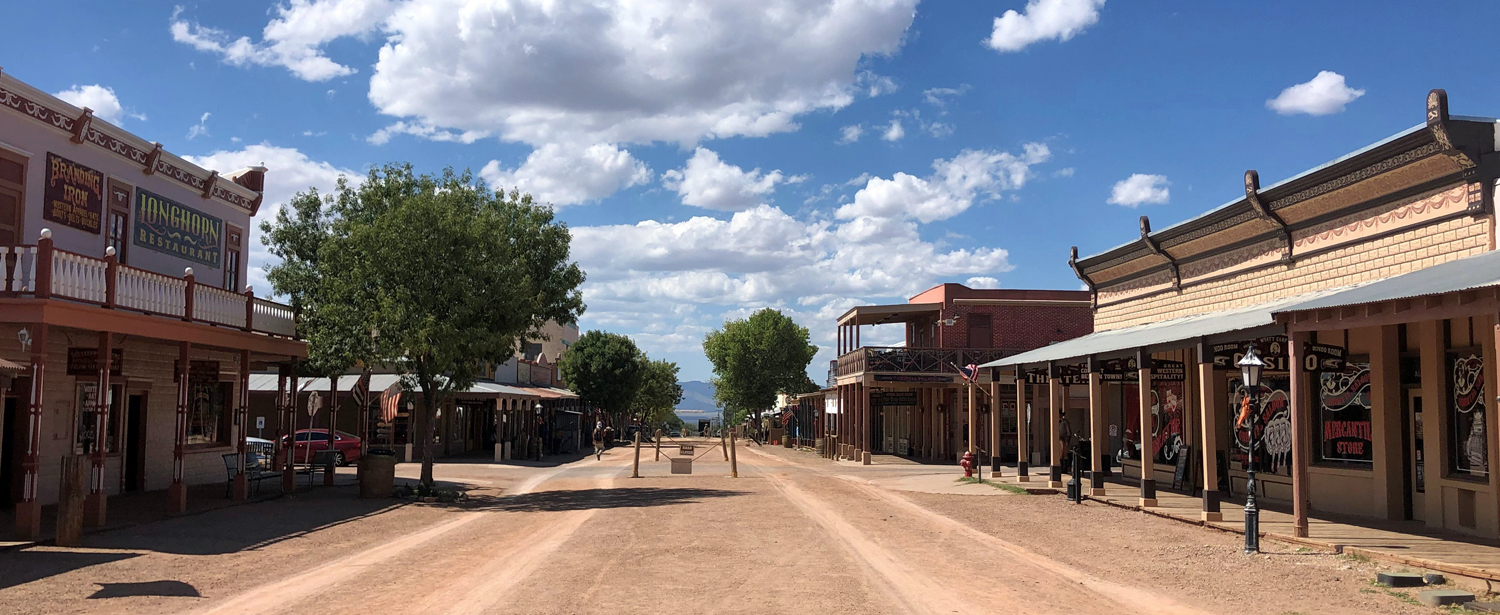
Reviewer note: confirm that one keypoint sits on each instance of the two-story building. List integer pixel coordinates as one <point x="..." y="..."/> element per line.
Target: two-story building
<point x="912" y="400"/>
<point x="1370" y="286"/>
<point x="124" y="307"/>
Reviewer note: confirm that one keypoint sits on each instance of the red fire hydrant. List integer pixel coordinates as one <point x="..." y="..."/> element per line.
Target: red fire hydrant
<point x="967" y="463"/>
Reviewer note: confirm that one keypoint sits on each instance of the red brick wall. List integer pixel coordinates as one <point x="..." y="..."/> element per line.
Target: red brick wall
<point x="1019" y="327"/>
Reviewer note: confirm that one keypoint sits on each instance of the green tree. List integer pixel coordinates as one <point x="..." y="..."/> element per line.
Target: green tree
<point x="297" y="236"/>
<point x="656" y="400"/>
<point x="755" y="358"/>
<point x="604" y="369"/>
<point x="448" y="273"/>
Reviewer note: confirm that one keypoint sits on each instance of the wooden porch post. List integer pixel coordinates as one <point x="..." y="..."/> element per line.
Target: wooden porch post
<point x="1098" y="436"/>
<point x="1210" y="391"/>
<point x="1023" y="440"/>
<point x="289" y="418"/>
<point x="241" y="418"/>
<point x="868" y="432"/>
<point x="177" y="492"/>
<point x="333" y="425"/>
<point x="995" y="445"/>
<point x="29" y="510"/>
<point x="1297" y="349"/>
<point x="95" y="504"/>
<point x="973" y="420"/>
<point x="1143" y="434"/>
<point x="1055" y="392"/>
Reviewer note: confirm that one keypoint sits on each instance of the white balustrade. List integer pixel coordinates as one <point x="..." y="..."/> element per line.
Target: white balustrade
<point x="19" y="269"/>
<point x="218" y="306"/>
<point x="138" y="289"/>
<point x="78" y="277"/>
<point x="274" y="318"/>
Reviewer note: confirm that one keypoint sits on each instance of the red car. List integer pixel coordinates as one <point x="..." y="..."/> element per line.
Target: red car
<point x="311" y="440"/>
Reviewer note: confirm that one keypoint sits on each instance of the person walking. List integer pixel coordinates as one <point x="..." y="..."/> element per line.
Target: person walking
<point x="599" y="440"/>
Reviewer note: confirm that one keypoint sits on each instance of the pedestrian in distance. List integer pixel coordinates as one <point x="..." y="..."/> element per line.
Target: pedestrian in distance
<point x="599" y="440"/>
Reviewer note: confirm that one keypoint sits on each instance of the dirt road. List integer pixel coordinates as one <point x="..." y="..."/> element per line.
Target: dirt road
<point x="794" y="534"/>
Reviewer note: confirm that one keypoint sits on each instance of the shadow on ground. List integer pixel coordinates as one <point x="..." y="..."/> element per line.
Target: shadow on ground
<point x="587" y="499"/>
<point x="21" y="567"/>
<point x="148" y="588"/>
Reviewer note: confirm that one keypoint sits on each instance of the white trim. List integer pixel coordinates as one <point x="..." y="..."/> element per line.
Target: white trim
<point x="16" y="150"/>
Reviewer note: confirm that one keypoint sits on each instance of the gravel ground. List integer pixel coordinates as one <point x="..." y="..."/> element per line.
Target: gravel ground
<point x="794" y="533"/>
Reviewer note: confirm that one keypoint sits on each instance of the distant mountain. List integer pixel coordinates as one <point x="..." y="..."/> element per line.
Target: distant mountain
<point x="697" y="400"/>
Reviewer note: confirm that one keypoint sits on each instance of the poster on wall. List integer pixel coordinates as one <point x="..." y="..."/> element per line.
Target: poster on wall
<point x="1470" y="455"/>
<point x="1344" y="414"/>
<point x="169" y="227"/>
<point x="73" y="195"/>
<point x="1166" y="416"/>
<point x="1273" y="424"/>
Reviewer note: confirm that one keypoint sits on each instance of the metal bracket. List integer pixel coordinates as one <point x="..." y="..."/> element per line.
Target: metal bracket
<point x="1078" y="271"/>
<point x="1437" y="124"/>
<point x="1252" y="195"/>
<point x="1155" y="248"/>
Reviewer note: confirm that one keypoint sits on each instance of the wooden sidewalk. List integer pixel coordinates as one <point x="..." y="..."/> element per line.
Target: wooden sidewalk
<point x="1409" y="543"/>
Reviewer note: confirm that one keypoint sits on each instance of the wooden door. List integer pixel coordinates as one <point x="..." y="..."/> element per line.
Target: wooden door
<point x="12" y="198"/>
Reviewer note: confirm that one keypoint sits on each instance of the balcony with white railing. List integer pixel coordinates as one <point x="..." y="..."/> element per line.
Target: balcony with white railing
<point x="903" y="360"/>
<point x="43" y="272"/>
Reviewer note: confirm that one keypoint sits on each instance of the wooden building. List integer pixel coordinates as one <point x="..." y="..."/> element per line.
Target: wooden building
<point x="1369" y="283"/>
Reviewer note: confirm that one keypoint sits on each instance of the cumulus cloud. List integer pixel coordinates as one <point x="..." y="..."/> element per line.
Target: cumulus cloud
<point x="983" y="281"/>
<point x="564" y="175"/>
<point x="949" y="190"/>
<point x="711" y="183"/>
<point x="1043" y="20"/>
<point x="293" y="39"/>
<point x="850" y="134"/>
<point x="938" y="97"/>
<point x="199" y="129"/>
<point x="101" y="100"/>
<point x="425" y="131"/>
<point x="1140" y="189"/>
<point x="1325" y="94"/>
<point x="893" y="132"/>
<point x="288" y="172"/>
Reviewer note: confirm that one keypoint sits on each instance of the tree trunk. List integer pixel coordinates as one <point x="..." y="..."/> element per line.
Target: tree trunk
<point x="428" y="427"/>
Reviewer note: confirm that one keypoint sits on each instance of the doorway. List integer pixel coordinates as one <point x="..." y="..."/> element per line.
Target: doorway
<point x="11" y="452"/>
<point x="134" y="455"/>
<point x="1415" y="471"/>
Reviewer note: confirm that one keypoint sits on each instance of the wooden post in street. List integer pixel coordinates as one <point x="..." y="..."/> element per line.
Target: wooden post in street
<point x="658" y="445"/>
<point x="70" y="501"/>
<point x="635" y="468"/>
<point x="723" y="445"/>
<point x="734" y="464"/>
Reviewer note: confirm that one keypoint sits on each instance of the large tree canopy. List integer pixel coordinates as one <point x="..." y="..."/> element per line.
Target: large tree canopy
<point x="756" y="358"/>
<point x="433" y="275"/>
<point x="604" y="369"/>
<point x="656" y="400"/>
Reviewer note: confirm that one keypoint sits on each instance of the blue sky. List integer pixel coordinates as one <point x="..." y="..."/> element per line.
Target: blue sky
<point x="703" y="152"/>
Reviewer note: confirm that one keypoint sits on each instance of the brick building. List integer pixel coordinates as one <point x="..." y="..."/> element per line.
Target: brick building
<point x="911" y="400"/>
<point x="1372" y="286"/>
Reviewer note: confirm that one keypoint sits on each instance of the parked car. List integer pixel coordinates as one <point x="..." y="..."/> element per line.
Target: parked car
<point x="675" y="434"/>
<point x="264" y="449"/>
<point x="309" y="441"/>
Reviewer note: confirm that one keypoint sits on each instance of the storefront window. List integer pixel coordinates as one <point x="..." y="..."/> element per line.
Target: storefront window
<point x="1273" y="425"/>
<point x="208" y="413"/>
<point x="1344" y="415"/>
<point x="1166" y="415"/>
<point x="87" y="402"/>
<point x="1468" y="453"/>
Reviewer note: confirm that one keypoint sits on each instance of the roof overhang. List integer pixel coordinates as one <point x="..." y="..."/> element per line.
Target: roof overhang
<point x="1455" y="289"/>
<point x="888" y="314"/>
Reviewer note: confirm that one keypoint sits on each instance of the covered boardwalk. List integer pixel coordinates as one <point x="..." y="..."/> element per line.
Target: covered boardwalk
<point x="1369" y="284"/>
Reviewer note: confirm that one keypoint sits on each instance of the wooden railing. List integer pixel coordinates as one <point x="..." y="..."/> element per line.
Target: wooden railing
<point x="916" y="360"/>
<point x="44" y="272"/>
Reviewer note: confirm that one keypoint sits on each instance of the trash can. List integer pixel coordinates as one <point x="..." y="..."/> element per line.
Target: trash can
<point x="377" y="474"/>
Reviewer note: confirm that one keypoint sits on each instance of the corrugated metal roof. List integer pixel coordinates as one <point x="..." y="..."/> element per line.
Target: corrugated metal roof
<point x="267" y="382"/>
<point x="1164" y="332"/>
<point x="1468" y="273"/>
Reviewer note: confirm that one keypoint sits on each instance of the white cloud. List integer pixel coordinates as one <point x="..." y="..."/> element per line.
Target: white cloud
<point x="711" y="183"/>
<point x="200" y="129"/>
<point x="950" y="190"/>
<point x="425" y="131"/>
<point x="288" y="172"/>
<point x="564" y="175"/>
<point x="1140" y="189"/>
<point x="938" y="97"/>
<point x="894" y="132"/>
<point x="1043" y="20"/>
<point x="294" y="38"/>
<point x="1064" y="172"/>
<point x="1325" y="94"/>
<point x="101" y="100"/>
<point x="850" y="134"/>
<point x="983" y="281"/>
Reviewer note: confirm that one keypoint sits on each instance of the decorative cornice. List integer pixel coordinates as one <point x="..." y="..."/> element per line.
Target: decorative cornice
<point x="1078" y="271"/>
<point x="1252" y="196"/>
<point x="1156" y="249"/>
<point x="1437" y="124"/>
<point x="1367" y="172"/>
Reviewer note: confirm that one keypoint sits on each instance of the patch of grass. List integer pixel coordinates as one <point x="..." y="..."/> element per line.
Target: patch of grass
<point x="1399" y="595"/>
<point x="1355" y="557"/>
<point x="1001" y="486"/>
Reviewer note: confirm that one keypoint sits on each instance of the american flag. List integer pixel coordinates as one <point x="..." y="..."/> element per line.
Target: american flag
<point x="390" y="402"/>
<point x="787" y="416"/>
<point x="970" y="372"/>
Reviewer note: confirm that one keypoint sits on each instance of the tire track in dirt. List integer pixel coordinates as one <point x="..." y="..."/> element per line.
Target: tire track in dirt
<point x="1132" y="598"/>
<point x="288" y="591"/>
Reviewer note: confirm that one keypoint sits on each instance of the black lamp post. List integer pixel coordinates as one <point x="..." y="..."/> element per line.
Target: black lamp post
<point x="1250" y="366"/>
<point x="540" y="432"/>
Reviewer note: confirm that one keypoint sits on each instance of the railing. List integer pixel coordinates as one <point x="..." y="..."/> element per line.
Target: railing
<point x="916" y="360"/>
<point x="44" y="272"/>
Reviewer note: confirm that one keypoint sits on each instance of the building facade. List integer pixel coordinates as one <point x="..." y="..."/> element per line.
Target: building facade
<point x="1369" y="285"/>
<point x="912" y="399"/>
<point x="123" y="299"/>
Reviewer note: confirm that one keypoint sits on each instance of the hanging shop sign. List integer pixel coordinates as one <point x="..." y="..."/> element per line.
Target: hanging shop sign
<point x="1163" y="370"/>
<point x="911" y="378"/>
<point x="893" y="398"/>
<point x="73" y="195"/>
<point x="199" y="372"/>
<point x="1323" y="358"/>
<point x="1120" y="370"/>
<point x="85" y="361"/>
<point x="169" y="227"/>
<point x="1036" y="376"/>
<point x="1070" y="375"/>
<point x="1273" y="350"/>
<point x="1344" y="414"/>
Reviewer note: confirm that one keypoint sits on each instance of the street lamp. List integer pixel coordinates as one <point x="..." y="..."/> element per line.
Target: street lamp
<point x="539" y="430"/>
<point x="1250" y="366"/>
